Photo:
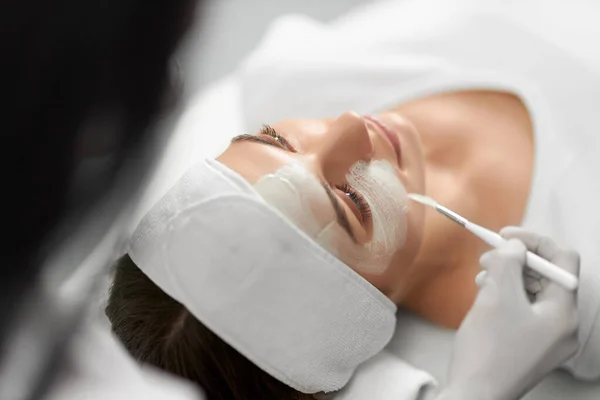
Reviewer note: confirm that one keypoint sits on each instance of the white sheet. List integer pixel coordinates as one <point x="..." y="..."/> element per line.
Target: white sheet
<point x="387" y="375"/>
<point x="429" y="347"/>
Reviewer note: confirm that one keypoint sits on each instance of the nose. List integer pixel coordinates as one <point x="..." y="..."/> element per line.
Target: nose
<point x="346" y="142"/>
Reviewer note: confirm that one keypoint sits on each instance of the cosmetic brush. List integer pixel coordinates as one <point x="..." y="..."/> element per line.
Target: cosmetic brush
<point x="533" y="261"/>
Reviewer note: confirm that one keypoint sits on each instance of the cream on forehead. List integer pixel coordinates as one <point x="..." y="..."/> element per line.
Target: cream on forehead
<point x="299" y="196"/>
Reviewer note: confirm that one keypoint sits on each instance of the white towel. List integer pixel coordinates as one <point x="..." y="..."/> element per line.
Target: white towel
<point x="388" y="377"/>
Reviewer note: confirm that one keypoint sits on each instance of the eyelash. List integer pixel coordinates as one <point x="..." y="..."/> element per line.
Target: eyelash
<point x="359" y="200"/>
<point x="268" y="130"/>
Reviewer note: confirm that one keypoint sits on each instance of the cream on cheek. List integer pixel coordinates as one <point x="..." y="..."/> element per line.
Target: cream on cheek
<point x="379" y="185"/>
<point x="298" y="195"/>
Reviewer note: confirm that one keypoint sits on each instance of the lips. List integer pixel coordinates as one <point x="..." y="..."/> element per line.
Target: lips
<point x="390" y="135"/>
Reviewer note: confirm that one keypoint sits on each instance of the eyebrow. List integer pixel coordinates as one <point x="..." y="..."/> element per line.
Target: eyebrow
<point x="257" y="139"/>
<point x="340" y="214"/>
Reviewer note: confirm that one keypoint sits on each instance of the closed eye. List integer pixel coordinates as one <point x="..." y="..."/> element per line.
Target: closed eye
<point x="358" y="204"/>
<point x="271" y="137"/>
<point x="267" y="135"/>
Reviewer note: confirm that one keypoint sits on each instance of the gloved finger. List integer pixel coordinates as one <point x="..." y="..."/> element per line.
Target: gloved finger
<point x="513" y="251"/>
<point x="504" y="266"/>
<point x="547" y="249"/>
<point x="487" y="258"/>
<point x="533" y="286"/>
<point x="480" y="278"/>
<point x="538" y="244"/>
<point x="532" y="274"/>
<point x="569" y="261"/>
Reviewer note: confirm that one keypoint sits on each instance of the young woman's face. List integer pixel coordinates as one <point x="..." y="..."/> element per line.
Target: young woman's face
<point x="350" y="209"/>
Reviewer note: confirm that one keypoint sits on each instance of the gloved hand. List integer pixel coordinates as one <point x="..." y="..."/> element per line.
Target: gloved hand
<point x="507" y="344"/>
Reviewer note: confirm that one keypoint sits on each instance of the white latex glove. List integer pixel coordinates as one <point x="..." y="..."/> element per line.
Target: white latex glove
<point x="507" y="344"/>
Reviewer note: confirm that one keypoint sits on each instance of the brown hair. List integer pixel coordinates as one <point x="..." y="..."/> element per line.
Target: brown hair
<point x="159" y="331"/>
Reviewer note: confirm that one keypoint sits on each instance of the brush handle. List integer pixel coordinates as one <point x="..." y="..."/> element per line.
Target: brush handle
<point x="533" y="261"/>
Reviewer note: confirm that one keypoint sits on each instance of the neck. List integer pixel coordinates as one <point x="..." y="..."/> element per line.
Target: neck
<point x="478" y="161"/>
<point x="445" y="298"/>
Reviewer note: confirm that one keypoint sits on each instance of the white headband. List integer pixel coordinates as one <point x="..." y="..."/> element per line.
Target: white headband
<point x="259" y="283"/>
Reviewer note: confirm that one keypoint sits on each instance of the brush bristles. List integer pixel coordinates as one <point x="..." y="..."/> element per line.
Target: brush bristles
<point x="426" y="200"/>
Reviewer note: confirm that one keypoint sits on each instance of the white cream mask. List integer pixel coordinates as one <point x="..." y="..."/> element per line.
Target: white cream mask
<point x="378" y="183"/>
<point x="298" y="194"/>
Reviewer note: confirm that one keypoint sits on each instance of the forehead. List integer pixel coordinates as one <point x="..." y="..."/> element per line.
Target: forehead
<point x="254" y="160"/>
<point x="303" y="127"/>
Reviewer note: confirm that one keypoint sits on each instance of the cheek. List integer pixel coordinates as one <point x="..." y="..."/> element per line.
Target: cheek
<point x="407" y="255"/>
<point x="370" y="260"/>
<point x="402" y="268"/>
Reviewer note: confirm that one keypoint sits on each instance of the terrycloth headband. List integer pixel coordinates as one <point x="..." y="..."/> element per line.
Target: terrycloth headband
<point x="259" y="283"/>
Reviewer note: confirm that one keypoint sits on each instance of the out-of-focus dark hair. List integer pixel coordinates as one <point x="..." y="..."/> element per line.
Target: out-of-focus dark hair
<point x="67" y="64"/>
<point x="159" y="331"/>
